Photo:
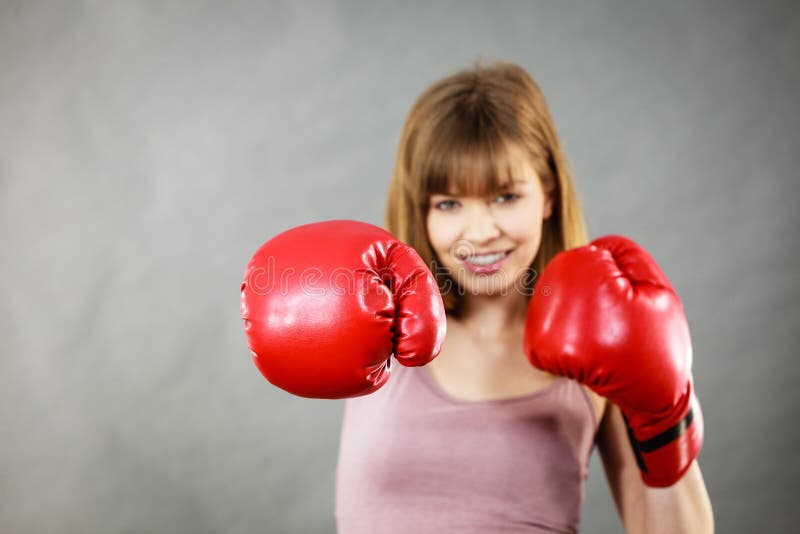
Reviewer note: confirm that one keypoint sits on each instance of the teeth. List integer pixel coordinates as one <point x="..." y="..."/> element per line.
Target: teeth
<point x="486" y="259"/>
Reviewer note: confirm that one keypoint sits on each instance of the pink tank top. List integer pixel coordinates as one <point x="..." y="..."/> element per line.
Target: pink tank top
<point x="413" y="459"/>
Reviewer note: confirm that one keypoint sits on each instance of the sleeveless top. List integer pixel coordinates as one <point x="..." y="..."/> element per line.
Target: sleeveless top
<point x="414" y="459"/>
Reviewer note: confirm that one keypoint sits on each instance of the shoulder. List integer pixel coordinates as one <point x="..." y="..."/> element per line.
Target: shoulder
<point x="599" y="404"/>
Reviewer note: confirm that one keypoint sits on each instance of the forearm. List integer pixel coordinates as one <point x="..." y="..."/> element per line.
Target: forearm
<point x="683" y="507"/>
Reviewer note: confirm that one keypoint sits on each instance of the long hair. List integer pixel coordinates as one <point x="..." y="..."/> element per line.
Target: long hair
<point x="460" y="137"/>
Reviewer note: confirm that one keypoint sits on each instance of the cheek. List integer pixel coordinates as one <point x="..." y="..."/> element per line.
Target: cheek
<point x="524" y="224"/>
<point x="432" y="227"/>
<point x="442" y="231"/>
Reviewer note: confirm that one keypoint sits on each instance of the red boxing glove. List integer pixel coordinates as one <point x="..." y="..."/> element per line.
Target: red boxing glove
<point x="606" y="315"/>
<point x="325" y="306"/>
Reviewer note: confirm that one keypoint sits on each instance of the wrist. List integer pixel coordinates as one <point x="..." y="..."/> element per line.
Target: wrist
<point x="666" y="446"/>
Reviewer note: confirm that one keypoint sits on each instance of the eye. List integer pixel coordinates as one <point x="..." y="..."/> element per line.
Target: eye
<point x="506" y="198"/>
<point x="446" y="205"/>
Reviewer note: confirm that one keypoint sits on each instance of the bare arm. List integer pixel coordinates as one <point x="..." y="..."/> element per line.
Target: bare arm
<point x="683" y="507"/>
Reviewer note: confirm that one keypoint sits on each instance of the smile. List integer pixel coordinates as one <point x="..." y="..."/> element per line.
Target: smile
<point x="486" y="263"/>
<point x="486" y="259"/>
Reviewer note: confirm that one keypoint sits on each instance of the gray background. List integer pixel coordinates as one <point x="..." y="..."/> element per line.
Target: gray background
<point x="148" y="148"/>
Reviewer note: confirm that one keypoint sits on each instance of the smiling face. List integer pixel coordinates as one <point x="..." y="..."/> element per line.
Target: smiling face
<point x="488" y="243"/>
<point x="464" y="139"/>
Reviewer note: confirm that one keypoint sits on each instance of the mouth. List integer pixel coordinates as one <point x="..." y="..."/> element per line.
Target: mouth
<point x="486" y="262"/>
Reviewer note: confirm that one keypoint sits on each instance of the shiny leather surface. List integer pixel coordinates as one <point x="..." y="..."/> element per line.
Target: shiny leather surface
<point x="325" y="306"/>
<point x="606" y="315"/>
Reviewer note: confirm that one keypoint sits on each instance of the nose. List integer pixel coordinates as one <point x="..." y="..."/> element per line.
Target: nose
<point x="481" y="226"/>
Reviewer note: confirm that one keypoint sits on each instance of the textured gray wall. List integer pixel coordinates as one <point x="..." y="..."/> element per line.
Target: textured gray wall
<point x="147" y="149"/>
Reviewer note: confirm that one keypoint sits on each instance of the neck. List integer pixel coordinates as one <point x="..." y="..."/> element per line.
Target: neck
<point x="493" y="317"/>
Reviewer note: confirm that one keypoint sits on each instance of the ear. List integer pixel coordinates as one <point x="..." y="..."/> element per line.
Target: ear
<point x="548" y="207"/>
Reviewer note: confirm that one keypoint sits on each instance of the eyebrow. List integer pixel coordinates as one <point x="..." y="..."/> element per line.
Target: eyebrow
<point x="514" y="182"/>
<point x="501" y="188"/>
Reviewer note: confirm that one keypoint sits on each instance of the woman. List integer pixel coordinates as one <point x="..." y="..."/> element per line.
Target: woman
<point x="480" y="440"/>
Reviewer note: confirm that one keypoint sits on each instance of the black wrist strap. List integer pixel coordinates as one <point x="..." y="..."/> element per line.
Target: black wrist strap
<point x="656" y="442"/>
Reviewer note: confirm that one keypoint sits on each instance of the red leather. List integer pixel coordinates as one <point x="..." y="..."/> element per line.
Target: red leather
<point x="325" y="305"/>
<point x="607" y="316"/>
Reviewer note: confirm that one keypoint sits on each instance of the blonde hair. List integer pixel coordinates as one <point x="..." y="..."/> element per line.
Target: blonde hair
<point x="461" y="137"/>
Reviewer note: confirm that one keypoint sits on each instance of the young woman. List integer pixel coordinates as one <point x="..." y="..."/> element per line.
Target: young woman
<point x="546" y="346"/>
<point x="480" y="440"/>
